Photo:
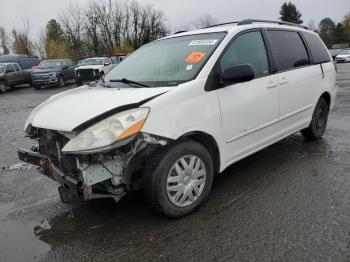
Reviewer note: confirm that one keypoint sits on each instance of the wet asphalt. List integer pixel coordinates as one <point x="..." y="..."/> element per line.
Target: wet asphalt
<point x="288" y="202"/>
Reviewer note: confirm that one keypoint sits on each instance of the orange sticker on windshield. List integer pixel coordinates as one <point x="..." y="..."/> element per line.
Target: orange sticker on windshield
<point x="195" y="57"/>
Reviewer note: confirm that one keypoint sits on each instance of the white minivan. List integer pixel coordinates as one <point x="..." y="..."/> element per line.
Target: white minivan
<point x="180" y="110"/>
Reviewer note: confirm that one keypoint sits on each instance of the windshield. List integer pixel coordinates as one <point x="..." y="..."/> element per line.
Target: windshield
<point x="50" y="64"/>
<point x="168" y="62"/>
<point x="2" y="69"/>
<point x="345" y="52"/>
<point x="92" y="61"/>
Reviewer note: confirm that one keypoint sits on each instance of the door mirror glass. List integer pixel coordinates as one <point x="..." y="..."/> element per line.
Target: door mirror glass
<point x="237" y="74"/>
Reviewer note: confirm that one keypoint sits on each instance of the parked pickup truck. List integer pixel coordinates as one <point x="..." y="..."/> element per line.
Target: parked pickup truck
<point x="53" y="72"/>
<point x="91" y="69"/>
<point x="11" y="74"/>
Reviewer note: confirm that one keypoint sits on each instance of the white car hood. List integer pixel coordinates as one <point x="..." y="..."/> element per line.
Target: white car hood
<point x="67" y="110"/>
<point x="343" y="56"/>
<point x="90" y="67"/>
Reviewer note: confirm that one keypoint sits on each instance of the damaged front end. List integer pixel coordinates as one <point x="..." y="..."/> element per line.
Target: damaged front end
<point x="104" y="173"/>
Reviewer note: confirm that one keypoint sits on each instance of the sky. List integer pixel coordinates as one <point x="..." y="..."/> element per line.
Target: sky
<point x="177" y="12"/>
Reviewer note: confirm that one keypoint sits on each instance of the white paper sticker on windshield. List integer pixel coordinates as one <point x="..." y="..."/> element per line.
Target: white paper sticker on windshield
<point x="204" y="42"/>
<point x="189" y="67"/>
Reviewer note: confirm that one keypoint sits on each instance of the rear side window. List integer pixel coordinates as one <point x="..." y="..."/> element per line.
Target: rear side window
<point x="248" y="48"/>
<point x="318" y="51"/>
<point x="16" y="67"/>
<point x="288" y="49"/>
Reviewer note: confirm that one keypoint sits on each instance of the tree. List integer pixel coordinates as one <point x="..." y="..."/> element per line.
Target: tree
<point x="346" y="24"/>
<point x="339" y="35"/>
<point x="22" y="43"/>
<point x="290" y="13"/>
<point x="55" y="44"/>
<point x="204" y="21"/>
<point x="326" y="30"/>
<point x="72" y="21"/>
<point x="312" y="25"/>
<point x="4" y="41"/>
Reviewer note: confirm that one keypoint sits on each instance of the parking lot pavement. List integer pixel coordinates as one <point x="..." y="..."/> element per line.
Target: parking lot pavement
<point x="289" y="202"/>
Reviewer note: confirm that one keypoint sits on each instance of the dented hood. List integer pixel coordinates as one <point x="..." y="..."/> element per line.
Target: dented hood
<point x="67" y="110"/>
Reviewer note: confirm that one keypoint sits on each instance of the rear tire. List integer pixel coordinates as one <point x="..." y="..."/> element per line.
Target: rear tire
<point x="318" y="123"/>
<point x="175" y="189"/>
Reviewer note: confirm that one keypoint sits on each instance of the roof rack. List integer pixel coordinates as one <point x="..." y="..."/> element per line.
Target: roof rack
<point x="251" y="21"/>
<point x="179" y="32"/>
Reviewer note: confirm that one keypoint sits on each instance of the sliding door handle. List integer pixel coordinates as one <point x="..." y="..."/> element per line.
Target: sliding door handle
<point x="271" y="84"/>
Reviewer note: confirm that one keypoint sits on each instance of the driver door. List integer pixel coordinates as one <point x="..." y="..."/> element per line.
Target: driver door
<point x="250" y="110"/>
<point x="11" y="75"/>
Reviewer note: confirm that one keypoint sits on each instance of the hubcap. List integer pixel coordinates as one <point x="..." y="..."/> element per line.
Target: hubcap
<point x="186" y="180"/>
<point x="2" y="88"/>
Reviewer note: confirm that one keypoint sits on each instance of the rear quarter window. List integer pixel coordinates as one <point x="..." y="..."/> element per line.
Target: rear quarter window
<point x="288" y="49"/>
<point x="318" y="51"/>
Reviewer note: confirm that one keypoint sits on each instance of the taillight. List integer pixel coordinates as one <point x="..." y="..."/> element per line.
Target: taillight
<point x="335" y="66"/>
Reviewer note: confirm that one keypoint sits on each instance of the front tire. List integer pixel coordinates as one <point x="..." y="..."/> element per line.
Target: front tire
<point x="3" y="87"/>
<point x="178" y="178"/>
<point x="60" y="82"/>
<point x="319" y="121"/>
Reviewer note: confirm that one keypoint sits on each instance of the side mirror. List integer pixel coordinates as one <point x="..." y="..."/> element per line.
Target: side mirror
<point x="237" y="74"/>
<point x="106" y="64"/>
<point x="65" y="67"/>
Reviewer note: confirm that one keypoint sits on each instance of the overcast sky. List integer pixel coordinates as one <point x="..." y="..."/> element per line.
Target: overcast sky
<point x="178" y="12"/>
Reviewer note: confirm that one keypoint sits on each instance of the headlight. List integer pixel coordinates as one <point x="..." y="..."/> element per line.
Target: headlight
<point x="105" y="133"/>
<point x="53" y="74"/>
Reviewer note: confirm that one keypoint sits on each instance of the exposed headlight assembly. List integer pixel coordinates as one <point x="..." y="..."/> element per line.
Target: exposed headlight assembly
<point x="102" y="135"/>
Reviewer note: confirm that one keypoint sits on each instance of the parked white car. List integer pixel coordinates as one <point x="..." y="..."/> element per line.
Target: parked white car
<point x="181" y="109"/>
<point x="343" y="56"/>
<point x="91" y="69"/>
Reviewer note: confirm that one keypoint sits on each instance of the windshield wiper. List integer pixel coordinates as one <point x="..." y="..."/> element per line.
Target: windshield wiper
<point x="127" y="81"/>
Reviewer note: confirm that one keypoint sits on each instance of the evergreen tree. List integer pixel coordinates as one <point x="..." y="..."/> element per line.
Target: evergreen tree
<point x="290" y="13"/>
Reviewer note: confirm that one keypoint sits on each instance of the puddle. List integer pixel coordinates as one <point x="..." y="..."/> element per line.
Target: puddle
<point x="17" y="239"/>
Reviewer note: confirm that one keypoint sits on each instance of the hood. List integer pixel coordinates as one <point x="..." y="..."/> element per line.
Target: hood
<point x="89" y="67"/>
<point x="343" y="56"/>
<point x="45" y="70"/>
<point x="67" y="110"/>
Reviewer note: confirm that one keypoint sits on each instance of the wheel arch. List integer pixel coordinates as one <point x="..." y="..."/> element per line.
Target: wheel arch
<point x="209" y="143"/>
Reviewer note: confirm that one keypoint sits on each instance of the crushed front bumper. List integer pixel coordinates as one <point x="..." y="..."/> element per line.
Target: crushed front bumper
<point x="70" y="190"/>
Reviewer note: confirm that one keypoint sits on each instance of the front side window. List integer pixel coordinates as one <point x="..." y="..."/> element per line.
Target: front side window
<point x="168" y="62"/>
<point x="16" y="67"/>
<point x="248" y="48"/>
<point x="288" y="49"/>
